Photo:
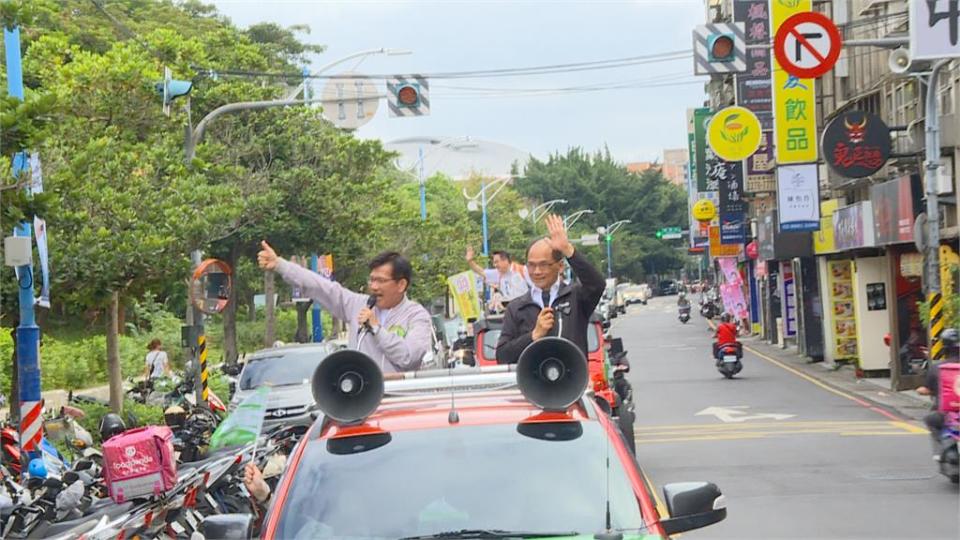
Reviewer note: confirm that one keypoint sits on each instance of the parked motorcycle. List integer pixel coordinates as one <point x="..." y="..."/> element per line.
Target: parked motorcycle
<point x="728" y="358"/>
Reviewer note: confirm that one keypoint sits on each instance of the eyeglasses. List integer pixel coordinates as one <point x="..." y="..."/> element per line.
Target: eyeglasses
<point x="378" y="280"/>
<point x="540" y="266"/>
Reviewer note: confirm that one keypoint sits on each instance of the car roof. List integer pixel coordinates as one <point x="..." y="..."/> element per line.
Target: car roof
<point x="406" y="413"/>
<point x="274" y="352"/>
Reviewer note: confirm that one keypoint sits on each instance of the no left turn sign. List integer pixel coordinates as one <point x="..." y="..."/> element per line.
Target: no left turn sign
<point x="807" y="45"/>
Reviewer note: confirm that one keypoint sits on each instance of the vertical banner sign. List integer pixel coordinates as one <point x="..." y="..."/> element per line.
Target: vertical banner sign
<point x="842" y="301"/>
<point x="704" y="155"/>
<point x="789" y="299"/>
<point x="798" y="197"/>
<point x="754" y="87"/>
<point x="758" y="177"/>
<point x="794" y="99"/>
<point x="732" y="207"/>
<point x="40" y="230"/>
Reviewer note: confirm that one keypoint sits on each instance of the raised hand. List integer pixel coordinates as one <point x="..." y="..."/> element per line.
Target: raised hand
<point x="267" y="258"/>
<point x="470" y="254"/>
<point x="558" y="239"/>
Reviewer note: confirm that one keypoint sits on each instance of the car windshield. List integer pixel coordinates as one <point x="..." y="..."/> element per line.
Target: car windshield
<point x="285" y="368"/>
<point x="533" y="477"/>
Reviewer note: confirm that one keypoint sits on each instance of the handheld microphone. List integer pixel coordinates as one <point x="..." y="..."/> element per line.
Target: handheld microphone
<point x="371" y="301"/>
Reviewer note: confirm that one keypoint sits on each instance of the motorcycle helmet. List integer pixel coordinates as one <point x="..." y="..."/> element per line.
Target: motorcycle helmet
<point x="111" y="424"/>
<point x="175" y="416"/>
<point x="725" y="318"/>
<point x="36" y="468"/>
<point x="950" y="338"/>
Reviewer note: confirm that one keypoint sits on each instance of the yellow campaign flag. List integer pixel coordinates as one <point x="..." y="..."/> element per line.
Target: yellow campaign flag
<point x="463" y="288"/>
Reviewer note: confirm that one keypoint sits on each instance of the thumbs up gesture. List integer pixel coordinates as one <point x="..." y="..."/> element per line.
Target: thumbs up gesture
<point x="267" y="258"/>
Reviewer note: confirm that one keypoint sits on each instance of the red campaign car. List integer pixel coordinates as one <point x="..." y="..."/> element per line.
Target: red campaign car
<point x="505" y="452"/>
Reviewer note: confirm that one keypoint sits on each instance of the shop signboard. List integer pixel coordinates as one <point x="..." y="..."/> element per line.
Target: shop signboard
<point x="732" y="206"/>
<point x="794" y="99"/>
<point x="754" y="88"/>
<point x="798" y="197"/>
<point x="823" y="239"/>
<point x="842" y="302"/>
<point x="895" y="209"/>
<point x="853" y="226"/>
<point x="704" y="158"/>
<point x="856" y="144"/>
<point x="718" y="249"/>
<point x="759" y="176"/>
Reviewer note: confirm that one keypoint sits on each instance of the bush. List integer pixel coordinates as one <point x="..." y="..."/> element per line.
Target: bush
<point x="134" y="414"/>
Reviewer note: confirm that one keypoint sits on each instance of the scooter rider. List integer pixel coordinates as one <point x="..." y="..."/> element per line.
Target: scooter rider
<point x="726" y="333"/>
<point x="931" y="386"/>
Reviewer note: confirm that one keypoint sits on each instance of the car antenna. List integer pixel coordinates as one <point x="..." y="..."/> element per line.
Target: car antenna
<point x="454" y="416"/>
<point x="608" y="532"/>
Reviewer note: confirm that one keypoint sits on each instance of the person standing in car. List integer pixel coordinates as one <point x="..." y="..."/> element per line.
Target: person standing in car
<point x="400" y="330"/>
<point x="538" y="313"/>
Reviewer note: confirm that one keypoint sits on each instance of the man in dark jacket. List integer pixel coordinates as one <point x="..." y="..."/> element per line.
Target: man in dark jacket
<point x="551" y="306"/>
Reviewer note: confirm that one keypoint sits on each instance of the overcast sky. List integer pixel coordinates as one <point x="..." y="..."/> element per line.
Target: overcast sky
<point x="450" y="35"/>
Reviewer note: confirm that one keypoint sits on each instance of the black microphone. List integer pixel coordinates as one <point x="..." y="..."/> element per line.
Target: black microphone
<point x="371" y="301"/>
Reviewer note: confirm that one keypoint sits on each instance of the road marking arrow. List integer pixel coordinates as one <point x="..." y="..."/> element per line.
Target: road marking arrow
<point x="738" y="414"/>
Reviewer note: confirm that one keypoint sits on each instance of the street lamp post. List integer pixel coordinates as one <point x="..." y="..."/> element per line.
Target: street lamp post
<point x="608" y="231"/>
<point x="572" y="218"/>
<point x="485" y="199"/>
<point x="540" y="210"/>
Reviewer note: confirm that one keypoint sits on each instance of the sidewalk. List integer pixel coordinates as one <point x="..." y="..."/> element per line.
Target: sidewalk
<point x="54" y="399"/>
<point x="842" y="378"/>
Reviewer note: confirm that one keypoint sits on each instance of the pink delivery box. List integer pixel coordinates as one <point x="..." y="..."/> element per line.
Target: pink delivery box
<point x="949" y="388"/>
<point x="139" y="462"/>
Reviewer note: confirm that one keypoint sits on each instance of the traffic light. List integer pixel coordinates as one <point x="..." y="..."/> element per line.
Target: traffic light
<point x="609" y="238"/>
<point x="408" y="95"/>
<point x="660" y="234"/>
<point x="720" y="47"/>
<point x="171" y="89"/>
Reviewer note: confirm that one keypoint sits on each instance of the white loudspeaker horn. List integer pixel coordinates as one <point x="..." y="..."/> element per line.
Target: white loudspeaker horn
<point x="899" y="61"/>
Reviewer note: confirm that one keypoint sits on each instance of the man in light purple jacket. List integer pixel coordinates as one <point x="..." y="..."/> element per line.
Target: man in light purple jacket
<point x="400" y="330"/>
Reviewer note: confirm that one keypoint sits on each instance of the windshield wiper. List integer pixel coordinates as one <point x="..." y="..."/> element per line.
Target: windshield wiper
<point x="491" y="533"/>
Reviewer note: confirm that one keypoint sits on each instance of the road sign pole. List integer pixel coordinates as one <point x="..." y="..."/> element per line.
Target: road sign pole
<point x="28" y="333"/>
<point x="932" y="254"/>
<point x="609" y="255"/>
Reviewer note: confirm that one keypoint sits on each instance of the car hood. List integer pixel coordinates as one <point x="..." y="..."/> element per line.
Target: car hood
<point x="281" y="396"/>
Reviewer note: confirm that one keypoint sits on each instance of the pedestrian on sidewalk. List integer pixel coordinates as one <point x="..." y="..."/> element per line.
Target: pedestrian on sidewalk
<point x="157" y="363"/>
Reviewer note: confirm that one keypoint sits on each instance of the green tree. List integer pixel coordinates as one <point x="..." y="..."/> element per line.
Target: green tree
<point x="599" y="183"/>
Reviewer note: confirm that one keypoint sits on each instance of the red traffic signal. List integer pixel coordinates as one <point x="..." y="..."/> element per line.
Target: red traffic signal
<point x="408" y="95"/>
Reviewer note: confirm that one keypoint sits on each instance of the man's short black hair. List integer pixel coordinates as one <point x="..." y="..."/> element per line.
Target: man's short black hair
<point x="401" y="266"/>
<point x="557" y="254"/>
<point x="503" y="254"/>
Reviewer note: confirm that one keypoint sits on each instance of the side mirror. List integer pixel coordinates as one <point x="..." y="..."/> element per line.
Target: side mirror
<point x="228" y="526"/>
<point x="693" y="505"/>
<point x="605" y="324"/>
<point x="232" y="369"/>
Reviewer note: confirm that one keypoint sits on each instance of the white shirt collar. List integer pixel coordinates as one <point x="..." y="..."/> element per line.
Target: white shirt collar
<point x="537" y="293"/>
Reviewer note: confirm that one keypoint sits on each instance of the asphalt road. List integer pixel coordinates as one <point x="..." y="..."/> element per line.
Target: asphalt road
<point x="794" y="459"/>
